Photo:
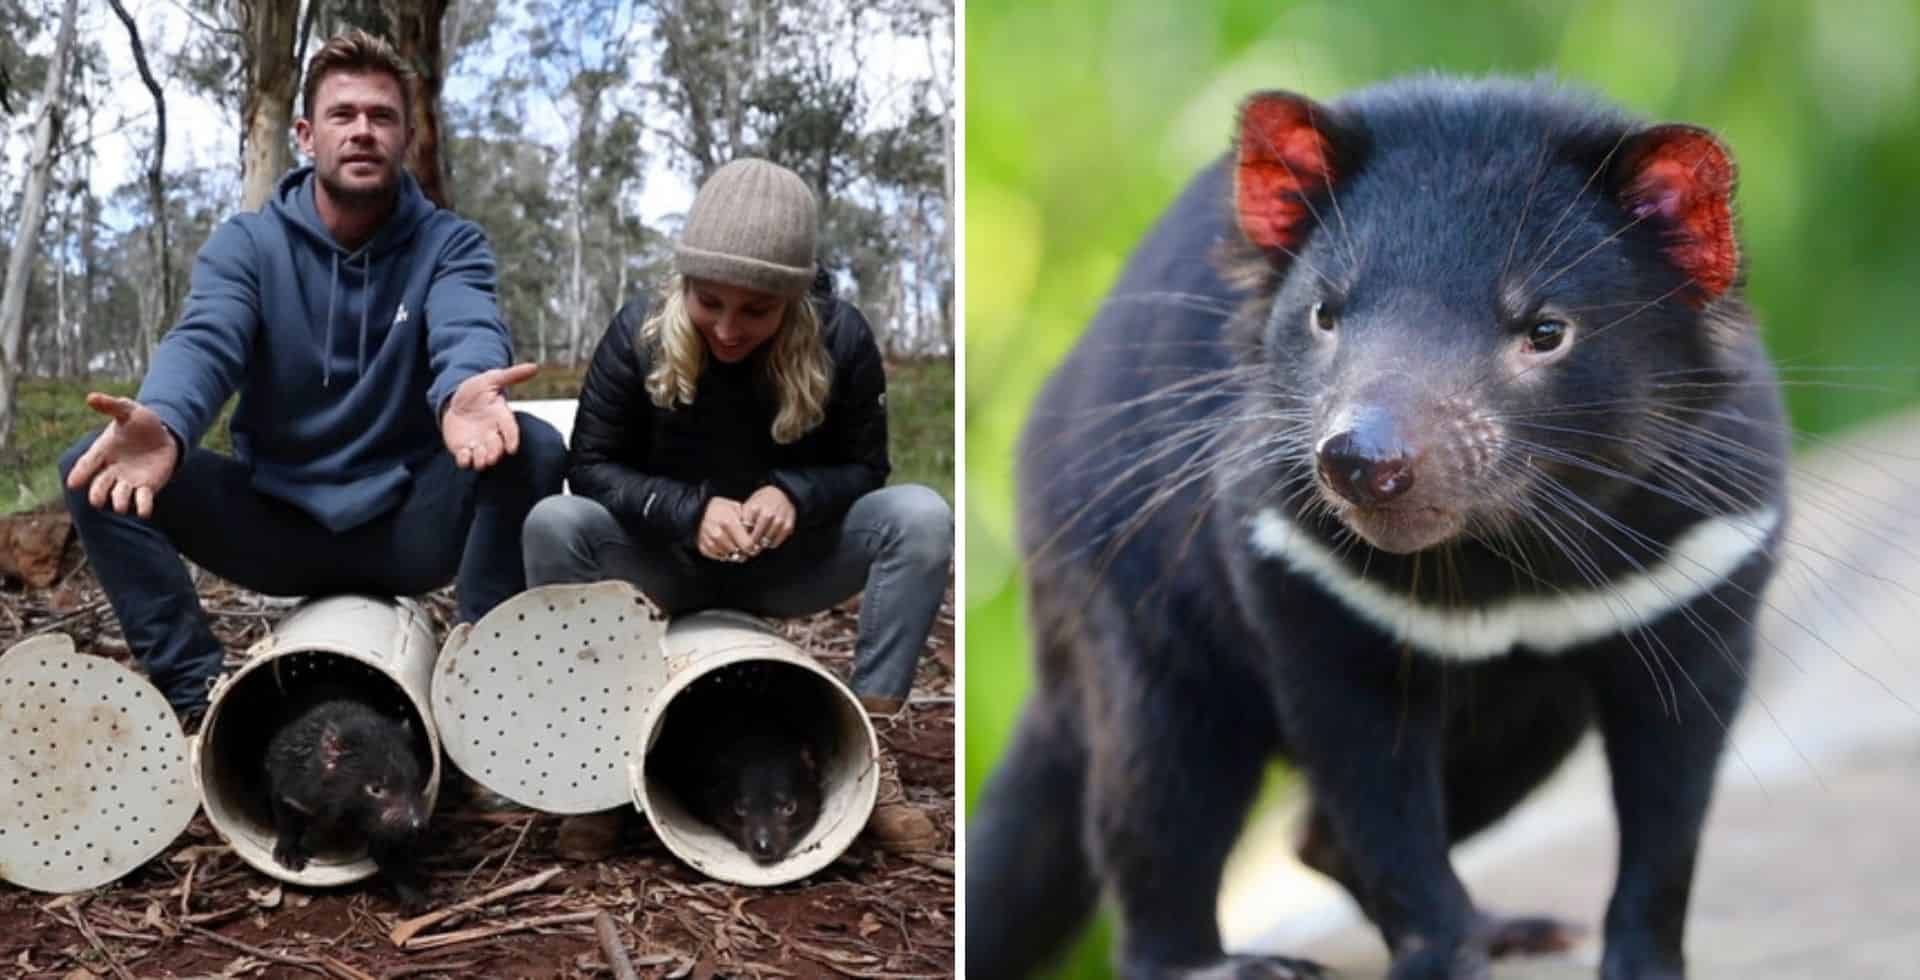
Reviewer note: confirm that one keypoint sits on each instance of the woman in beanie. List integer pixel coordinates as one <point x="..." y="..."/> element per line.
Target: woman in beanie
<point x="730" y="447"/>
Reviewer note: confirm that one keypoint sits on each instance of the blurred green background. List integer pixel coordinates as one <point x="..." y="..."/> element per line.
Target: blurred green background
<point x="1084" y="119"/>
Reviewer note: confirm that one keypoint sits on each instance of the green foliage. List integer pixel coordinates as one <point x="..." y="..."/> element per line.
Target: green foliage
<point x="1084" y="120"/>
<point x="920" y="423"/>
<point x="53" y="416"/>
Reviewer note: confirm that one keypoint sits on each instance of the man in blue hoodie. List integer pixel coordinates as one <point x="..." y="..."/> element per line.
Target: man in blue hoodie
<point x="374" y="450"/>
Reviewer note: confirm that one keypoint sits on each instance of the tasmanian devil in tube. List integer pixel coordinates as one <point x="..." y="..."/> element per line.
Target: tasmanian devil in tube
<point x="743" y="750"/>
<point x="340" y="767"/>
<point x="1425" y="431"/>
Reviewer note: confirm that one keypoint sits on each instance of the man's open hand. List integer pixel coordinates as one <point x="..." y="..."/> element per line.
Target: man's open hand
<point x="479" y="428"/>
<point x="130" y="461"/>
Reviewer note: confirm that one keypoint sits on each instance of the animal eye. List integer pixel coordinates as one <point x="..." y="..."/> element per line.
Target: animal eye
<point x="1545" y="335"/>
<point x="787" y="807"/>
<point x="739" y="808"/>
<point x="1323" y="318"/>
<point x="376" y="790"/>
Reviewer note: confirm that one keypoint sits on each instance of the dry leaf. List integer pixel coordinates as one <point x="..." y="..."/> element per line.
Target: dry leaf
<point x="869" y="925"/>
<point x="81" y="973"/>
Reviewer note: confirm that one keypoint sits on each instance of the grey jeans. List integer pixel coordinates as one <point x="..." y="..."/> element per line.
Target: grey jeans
<point x="893" y="545"/>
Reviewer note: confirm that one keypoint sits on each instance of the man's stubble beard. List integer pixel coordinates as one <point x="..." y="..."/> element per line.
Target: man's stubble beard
<point x="362" y="198"/>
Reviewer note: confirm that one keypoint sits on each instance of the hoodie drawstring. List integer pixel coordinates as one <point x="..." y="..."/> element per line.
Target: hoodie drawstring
<point x="366" y="287"/>
<point x="326" y="351"/>
<point x="333" y="287"/>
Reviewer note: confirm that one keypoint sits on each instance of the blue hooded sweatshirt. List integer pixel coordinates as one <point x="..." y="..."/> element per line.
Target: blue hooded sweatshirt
<point x="343" y="359"/>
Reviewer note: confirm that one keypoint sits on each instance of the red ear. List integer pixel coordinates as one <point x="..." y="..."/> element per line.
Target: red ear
<point x="1681" y="178"/>
<point x="1284" y="155"/>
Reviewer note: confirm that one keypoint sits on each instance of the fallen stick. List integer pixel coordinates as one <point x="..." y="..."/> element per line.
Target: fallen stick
<point x="405" y="931"/>
<point x="215" y="917"/>
<point x="487" y="932"/>
<point x="123" y="934"/>
<point x="610" y="944"/>
<point x="445" y="966"/>
<point x="515" y="849"/>
<point x="299" y="961"/>
<point x="80" y="923"/>
<point x="347" y="970"/>
<point x="931" y="860"/>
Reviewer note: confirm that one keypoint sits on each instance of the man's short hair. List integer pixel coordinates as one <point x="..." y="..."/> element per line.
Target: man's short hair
<point x="357" y="50"/>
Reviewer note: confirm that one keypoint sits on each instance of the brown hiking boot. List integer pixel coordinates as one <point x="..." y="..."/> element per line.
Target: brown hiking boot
<point x="590" y="836"/>
<point x="880" y="706"/>
<point x="898" y="824"/>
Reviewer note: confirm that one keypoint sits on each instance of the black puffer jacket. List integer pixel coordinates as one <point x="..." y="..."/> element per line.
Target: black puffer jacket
<point x="655" y="469"/>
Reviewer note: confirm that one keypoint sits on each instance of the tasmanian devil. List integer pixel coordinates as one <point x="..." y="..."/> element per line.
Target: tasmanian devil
<point x="341" y="769"/>
<point x="1427" y="429"/>
<point x="738" y="754"/>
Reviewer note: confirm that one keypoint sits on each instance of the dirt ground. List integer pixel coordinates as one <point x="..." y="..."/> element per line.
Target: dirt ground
<point x="198" y="911"/>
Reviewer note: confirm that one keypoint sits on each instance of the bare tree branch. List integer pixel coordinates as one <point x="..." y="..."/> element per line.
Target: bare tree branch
<point x="163" y="245"/>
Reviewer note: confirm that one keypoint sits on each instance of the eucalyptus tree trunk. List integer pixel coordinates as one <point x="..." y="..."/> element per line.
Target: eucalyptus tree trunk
<point x="272" y="71"/>
<point x="26" y="241"/>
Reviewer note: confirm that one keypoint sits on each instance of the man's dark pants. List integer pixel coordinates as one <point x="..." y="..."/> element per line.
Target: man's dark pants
<point x="452" y="522"/>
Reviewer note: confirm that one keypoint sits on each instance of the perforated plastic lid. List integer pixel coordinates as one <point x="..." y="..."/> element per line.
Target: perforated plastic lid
<point x="93" y="775"/>
<point x="533" y="701"/>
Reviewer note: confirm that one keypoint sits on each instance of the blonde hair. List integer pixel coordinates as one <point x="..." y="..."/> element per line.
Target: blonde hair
<point x="796" y="364"/>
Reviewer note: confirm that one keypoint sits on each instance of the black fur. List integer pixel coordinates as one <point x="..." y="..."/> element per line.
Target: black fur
<point x="1174" y="660"/>
<point x="743" y="750"/>
<point x="340" y="767"/>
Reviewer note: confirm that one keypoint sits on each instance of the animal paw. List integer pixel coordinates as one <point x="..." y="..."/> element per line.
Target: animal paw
<point x="1236" y="968"/>
<point x="1623" y="967"/>
<point x="290" y="856"/>
<point x="412" y="895"/>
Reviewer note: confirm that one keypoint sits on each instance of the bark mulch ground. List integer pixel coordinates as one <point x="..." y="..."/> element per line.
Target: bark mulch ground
<point x="198" y="911"/>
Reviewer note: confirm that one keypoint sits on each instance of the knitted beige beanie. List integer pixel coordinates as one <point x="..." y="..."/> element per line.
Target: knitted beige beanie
<point x="752" y="224"/>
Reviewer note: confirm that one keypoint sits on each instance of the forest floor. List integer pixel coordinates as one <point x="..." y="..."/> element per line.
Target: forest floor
<point x="197" y="910"/>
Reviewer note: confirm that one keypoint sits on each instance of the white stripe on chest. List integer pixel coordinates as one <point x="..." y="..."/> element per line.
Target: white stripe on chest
<point x="1698" y="560"/>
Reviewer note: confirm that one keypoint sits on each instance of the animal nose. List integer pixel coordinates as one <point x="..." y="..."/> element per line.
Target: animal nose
<point x="1363" y="470"/>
